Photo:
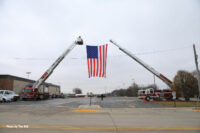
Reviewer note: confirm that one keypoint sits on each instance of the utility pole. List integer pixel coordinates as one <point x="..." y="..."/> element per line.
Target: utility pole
<point x="197" y="69"/>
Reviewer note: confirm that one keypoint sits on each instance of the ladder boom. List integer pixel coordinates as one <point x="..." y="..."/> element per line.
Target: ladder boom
<point x="152" y="70"/>
<point x="49" y="71"/>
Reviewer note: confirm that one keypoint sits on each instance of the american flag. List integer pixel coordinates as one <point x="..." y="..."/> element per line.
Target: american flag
<point x="96" y="60"/>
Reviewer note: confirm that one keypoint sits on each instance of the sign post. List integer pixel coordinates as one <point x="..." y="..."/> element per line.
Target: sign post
<point x="174" y="97"/>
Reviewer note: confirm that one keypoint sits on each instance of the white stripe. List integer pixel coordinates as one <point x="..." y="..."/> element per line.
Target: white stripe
<point x="95" y="67"/>
<point x="99" y="61"/>
<point x="105" y="60"/>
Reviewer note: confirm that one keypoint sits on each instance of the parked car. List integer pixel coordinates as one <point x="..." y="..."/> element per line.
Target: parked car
<point x="8" y="96"/>
<point x="70" y="95"/>
<point x="54" y="96"/>
<point x="61" y="95"/>
<point x="1" y="98"/>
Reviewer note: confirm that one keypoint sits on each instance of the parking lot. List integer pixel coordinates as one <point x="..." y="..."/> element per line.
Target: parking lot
<point x="108" y="102"/>
<point x="113" y="114"/>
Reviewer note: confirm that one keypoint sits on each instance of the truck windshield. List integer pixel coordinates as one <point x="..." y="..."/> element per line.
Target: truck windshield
<point x="28" y="90"/>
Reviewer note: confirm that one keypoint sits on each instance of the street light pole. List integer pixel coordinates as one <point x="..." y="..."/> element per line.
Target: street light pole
<point x="28" y="73"/>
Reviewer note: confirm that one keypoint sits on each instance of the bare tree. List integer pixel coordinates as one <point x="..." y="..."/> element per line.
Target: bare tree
<point x="185" y="84"/>
<point x="77" y="91"/>
<point x="131" y="91"/>
<point x="155" y="87"/>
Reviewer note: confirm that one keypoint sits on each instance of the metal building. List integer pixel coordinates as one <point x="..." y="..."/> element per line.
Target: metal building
<point x="16" y="84"/>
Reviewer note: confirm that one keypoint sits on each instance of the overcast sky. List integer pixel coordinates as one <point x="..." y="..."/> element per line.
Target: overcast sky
<point x="33" y="33"/>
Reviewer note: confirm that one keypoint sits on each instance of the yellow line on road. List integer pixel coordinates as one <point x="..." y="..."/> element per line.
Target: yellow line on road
<point x="89" y="106"/>
<point x="131" y="106"/>
<point x="85" y="111"/>
<point x="100" y="128"/>
<point x="197" y="110"/>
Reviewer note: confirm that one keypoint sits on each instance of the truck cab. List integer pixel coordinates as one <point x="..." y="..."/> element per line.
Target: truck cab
<point x="34" y="93"/>
<point x="29" y="93"/>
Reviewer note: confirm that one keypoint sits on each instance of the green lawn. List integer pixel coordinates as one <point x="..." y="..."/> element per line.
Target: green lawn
<point x="178" y="103"/>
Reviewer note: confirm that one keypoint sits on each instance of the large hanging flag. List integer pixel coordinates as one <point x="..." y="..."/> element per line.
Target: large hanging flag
<point x="96" y="60"/>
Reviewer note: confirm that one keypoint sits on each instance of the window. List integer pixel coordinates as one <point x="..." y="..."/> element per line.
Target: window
<point x="28" y="90"/>
<point x="7" y="93"/>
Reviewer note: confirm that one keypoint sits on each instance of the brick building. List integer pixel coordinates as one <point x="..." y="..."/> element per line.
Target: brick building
<point x="16" y="84"/>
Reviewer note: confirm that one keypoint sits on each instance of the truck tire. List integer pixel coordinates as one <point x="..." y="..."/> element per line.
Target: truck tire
<point x="170" y="98"/>
<point x="147" y="98"/>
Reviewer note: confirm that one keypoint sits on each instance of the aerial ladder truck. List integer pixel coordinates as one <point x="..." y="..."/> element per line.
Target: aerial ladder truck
<point x="150" y="93"/>
<point x="34" y="91"/>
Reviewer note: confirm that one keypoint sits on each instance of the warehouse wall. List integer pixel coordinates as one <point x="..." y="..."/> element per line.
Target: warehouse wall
<point x="19" y="85"/>
<point x="54" y="90"/>
<point x="6" y="84"/>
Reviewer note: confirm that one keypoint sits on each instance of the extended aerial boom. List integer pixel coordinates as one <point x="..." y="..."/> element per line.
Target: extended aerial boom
<point x="152" y="70"/>
<point x="49" y="71"/>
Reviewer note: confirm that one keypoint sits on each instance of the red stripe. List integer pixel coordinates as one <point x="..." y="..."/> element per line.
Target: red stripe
<point x="106" y="58"/>
<point x="100" y="61"/>
<point x="94" y="68"/>
<point x="44" y="75"/>
<point x="103" y="60"/>
<point x="91" y="67"/>
<point x="88" y="68"/>
<point x="169" y="81"/>
<point x="97" y="67"/>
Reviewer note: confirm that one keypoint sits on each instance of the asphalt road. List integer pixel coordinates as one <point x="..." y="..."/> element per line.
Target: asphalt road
<point x="108" y="102"/>
<point x="114" y="115"/>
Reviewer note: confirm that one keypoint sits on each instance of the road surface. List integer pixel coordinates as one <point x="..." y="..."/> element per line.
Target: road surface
<point x="113" y="115"/>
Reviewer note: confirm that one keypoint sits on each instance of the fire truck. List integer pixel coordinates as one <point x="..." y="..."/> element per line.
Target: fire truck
<point x="37" y="90"/>
<point x="150" y="93"/>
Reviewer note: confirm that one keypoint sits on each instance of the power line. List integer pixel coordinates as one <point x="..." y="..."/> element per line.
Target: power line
<point x="143" y="53"/>
<point x="163" y="51"/>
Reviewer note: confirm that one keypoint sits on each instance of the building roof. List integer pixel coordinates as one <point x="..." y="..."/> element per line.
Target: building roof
<point x="24" y="79"/>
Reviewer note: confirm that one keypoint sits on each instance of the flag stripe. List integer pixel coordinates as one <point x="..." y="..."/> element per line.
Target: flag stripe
<point x="100" y="61"/>
<point x="88" y="68"/>
<point x="91" y="67"/>
<point x="97" y="67"/>
<point x="106" y="58"/>
<point x="94" y="67"/>
<point x="103" y="60"/>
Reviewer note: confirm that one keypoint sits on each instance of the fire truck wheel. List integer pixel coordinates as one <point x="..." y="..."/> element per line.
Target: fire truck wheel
<point x="147" y="98"/>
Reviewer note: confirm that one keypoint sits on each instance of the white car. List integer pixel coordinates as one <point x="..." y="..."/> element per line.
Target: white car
<point x="8" y="96"/>
<point x="15" y="96"/>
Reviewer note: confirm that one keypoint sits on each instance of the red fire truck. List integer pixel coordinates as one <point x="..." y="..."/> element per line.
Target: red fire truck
<point x="150" y="93"/>
<point x="37" y="91"/>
